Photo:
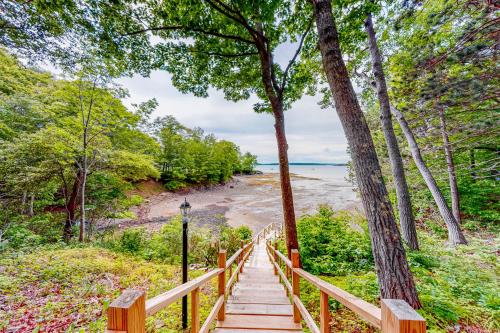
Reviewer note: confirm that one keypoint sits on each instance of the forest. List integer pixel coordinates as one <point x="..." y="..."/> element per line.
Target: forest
<point x="414" y="85"/>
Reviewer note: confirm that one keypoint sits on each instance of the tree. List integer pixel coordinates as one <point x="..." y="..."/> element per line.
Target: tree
<point x="228" y="46"/>
<point x="455" y="235"/>
<point x="406" y="219"/>
<point x="69" y="129"/>
<point x="395" y="278"/>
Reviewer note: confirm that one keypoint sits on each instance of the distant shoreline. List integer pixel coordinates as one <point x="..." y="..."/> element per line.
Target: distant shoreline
<point x="306" y="164"/>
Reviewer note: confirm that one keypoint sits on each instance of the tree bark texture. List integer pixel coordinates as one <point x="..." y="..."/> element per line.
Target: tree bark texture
<point x="455" y="235"/>
<point x="394" y="275"/>
<point x="276" y="101"/>
<point x="452" y="177"/>
<point x="71" y="206"/>
<point x="406" y="219"/>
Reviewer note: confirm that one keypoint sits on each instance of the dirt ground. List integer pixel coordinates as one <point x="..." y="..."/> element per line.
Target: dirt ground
<point x="253" y="200"/>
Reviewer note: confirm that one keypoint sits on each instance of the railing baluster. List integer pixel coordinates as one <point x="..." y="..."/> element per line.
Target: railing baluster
<point x="195" y="310"/>
<point x="242" y="254"/>
<point x="127" y="313"/>
<point x="324" y="313"/>
<point x="295" y="284"/>
<point x="275" y="256"/>
<point x="222" y="283"/>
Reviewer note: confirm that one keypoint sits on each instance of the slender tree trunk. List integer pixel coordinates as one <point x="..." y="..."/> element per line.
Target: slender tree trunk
<point x="23" y="202"/>
<point x="455" y="235"/>
<point x="286" y="186"/>
<point x="394" y="275"/>
<point x="455" y="196"/>
<point x="81" y="236"/>
<point x="276" y="100"/>
<point x="71" y="208"/>
<point x="472" y="155"/>
<point x="406" y="219"/>
<point x="31" y="211"/>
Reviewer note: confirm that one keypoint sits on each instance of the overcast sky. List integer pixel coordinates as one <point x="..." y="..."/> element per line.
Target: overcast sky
<point x="314" y="135"/>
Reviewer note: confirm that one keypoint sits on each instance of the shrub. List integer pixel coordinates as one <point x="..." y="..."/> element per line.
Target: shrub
<point x="132" y="240"/>
<point x="332" y="244"/>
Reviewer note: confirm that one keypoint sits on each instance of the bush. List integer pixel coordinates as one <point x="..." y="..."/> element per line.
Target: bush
<point x="132" y="240"/>
<point x="166" y="245"/>
<point x="333" y="245"/>
<point x="18" y="237"/>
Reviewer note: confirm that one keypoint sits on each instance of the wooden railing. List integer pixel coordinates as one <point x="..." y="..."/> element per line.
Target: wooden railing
<point x="395" y="316"/>
<point x="128" y="312"/>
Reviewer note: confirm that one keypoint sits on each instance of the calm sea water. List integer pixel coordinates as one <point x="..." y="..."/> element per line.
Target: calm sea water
<point x="330" y="173"/>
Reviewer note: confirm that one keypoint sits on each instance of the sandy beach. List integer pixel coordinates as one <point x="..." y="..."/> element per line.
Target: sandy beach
<point x="252" y="200"/>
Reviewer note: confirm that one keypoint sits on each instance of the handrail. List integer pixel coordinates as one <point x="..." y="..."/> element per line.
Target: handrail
<point x="128" y="312"/>
<point x="367" y="311"/>
<point x="306" y="315"/>
<point x="161" y="301"/>
<point x="235" y="275"/>
<point x="231" y="260"/>
<point x="395" y="316"/>
<point x="211" y="317"/>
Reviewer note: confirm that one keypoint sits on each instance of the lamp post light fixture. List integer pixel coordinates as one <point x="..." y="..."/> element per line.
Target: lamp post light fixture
<point x="185" y="208"/>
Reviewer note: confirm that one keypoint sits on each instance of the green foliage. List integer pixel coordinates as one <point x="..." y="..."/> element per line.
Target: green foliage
<point x="330" y="245"/>
<point x="190" y="157"/>
<point x="166" y="245"/>
<point x="457" y="286"/>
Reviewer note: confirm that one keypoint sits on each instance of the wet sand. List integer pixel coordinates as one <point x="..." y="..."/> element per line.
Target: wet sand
<point x="253" y="200"/>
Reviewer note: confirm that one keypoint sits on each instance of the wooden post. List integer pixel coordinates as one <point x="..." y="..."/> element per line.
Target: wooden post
<point x="221" y="260"/>
<point x="127" y="313"/>
<point x="295" y="284"/>
<point x="230" y="276"/>
<point x="242" y="255"/>
<point x="324" y="313"/>
<point x="399" y="317"/>
<point x="275" y="256"/>
<point x="195" y="310"/>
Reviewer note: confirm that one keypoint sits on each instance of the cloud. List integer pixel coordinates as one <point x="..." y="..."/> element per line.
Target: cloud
<point x="314" y="135"/>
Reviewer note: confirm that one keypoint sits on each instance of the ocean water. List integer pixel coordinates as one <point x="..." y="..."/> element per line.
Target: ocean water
<point x="328" y="173"/>
<point x="315" y="185"/>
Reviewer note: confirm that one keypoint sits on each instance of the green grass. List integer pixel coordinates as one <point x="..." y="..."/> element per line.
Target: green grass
<point x="67" y="289"/>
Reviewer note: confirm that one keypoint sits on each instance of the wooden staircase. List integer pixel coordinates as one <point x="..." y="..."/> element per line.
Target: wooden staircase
<point x="258" y="302"/>
<point x="261" y="295"/>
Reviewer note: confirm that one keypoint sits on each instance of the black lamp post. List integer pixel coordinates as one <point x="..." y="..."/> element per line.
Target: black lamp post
<point x="185" y="208"/>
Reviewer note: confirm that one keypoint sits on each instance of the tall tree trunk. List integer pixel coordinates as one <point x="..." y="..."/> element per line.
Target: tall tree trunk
<point x="83" y="182"/>
<point x="452" y="177"/>
<point x="71" y="205"/>
<point x="31" y="211"/>
<point x="472" y="155"/>
<point x="286" y="186"/>
<point x="393" y="272"/>
<point x="455" y="235"/>
<point x="276" y="100"/>
<point x="406" y="219"/>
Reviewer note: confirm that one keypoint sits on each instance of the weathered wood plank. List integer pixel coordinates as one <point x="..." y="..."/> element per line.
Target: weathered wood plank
<point x="259" y="322"/>
<point x="259" y="309"/>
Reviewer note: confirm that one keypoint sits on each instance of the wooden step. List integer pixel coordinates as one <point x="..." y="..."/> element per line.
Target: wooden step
<point x="260" y="299"/>
<point x="259" y="309"/>
<point x="258" y="293"/>
<point x="242" y="285"/>
<point x="243" y="330"/>
<point x="259" y="322"/>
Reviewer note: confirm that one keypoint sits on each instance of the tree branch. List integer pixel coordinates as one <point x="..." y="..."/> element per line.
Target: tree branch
<point x="294" y="58"/>
<point x="226" y="55"/>
<point x="187" y="29"/>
